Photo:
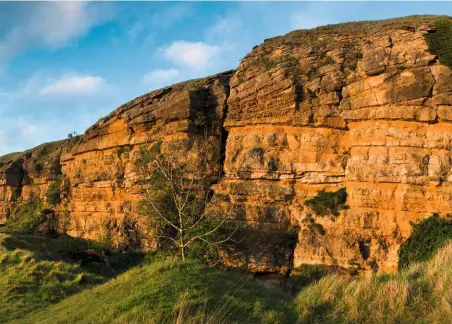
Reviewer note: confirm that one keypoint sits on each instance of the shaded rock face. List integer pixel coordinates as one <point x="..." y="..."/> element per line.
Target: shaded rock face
<point x="361" y="106"/>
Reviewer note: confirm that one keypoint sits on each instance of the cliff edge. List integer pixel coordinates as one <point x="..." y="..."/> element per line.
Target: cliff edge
<point x="334" y="140"/>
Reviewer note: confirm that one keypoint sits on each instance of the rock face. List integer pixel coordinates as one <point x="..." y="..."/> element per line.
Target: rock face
<point x="360" y="106"/>
<point x="96" y="172"/>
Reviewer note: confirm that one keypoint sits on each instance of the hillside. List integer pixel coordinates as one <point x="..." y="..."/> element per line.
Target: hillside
<point x="174" y="292"/>
<point x="165" y="291"/>
<point x="329" y="143"/>
<point x="37" y="271"/>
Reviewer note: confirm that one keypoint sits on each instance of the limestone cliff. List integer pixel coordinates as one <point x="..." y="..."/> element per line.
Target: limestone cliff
<point x="361" y="106"/>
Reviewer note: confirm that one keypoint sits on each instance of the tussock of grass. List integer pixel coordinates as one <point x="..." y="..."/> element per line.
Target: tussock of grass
<point x="168" y="292"/>
<point x="28" y="282"/>
<point x="427" y="238"/>
<point x="174" y="292"/>
<point x="420" y="294"/>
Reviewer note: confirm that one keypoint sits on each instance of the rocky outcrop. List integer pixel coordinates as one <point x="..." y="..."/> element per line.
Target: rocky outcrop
<point x="361" y="106"/>
<point x="358" y="106"/>
<point x="98" y="168"/>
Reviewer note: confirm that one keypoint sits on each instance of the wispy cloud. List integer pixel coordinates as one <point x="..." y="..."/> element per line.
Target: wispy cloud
<point x="45" y="86"/>
<point x="74" y="85"/>
<point x="51" y="25"/>
<point x="192" y="55"/>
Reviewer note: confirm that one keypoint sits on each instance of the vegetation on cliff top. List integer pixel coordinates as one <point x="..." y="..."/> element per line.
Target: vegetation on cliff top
<point x="440" y="41"/>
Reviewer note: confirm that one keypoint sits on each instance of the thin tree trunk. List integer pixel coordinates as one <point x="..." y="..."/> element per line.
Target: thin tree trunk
<point x="181" y="231"/>
<point x="182" y="252"/>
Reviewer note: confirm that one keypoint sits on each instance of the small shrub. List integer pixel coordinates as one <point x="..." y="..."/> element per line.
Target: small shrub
<point x="201" y="119"/>
<point x="440" y="42"/>
<point x="328" y="203"/>
<point x="64" y="220"/>
<point x="26" y="217"/>
<point x="268" y="64"/>
<point x="53" y="194"/>
<point x="273" y="164"/>
<point x="39" y="168"/>
<point x="427" y="237"/>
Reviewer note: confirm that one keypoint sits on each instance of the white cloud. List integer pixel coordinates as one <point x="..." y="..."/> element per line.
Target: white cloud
<point x="192" y="55"/>
<point x="74" y="85"/>
<point x="44" y="86"/>
<point x="162" y="77"/>
<point x="52" y="25"/>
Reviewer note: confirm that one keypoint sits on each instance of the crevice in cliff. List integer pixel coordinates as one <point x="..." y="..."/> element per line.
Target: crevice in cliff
<point x="224" y="132"/>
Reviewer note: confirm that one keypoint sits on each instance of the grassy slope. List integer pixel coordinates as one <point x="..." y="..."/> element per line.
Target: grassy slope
<point x="420" y="294"/>
<point x="36" y="271"/>
<point x="154" y="293"/>
<point x="160" y="292"/>
<point x="28" y="281"/>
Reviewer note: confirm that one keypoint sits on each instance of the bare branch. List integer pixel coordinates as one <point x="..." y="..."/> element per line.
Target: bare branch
<point x="161" y="215"/>
<point x="169" y="238"/>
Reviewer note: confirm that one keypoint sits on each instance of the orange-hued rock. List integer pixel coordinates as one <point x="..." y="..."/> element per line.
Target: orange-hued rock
<point x="98" y="168"/>
<point x="360" y="106"/>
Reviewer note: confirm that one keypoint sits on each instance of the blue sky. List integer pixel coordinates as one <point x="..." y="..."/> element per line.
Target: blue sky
<point x="65" y="65"/>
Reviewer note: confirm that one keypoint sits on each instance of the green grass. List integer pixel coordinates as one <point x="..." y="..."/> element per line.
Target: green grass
<point x="175" y="292"/>
<point x="36" y="271"/>
<point x="171" y="291"/>
<point x="25" y="217"/>
<point x="427" y="238"/>
<point x="160" y="292"/>
<point x="29" y="282"/>
<point x="328" y="203"/>
<point x="420" y="294"/>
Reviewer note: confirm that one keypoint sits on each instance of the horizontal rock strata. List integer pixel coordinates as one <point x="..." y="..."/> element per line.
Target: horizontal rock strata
<point x="361" y="106"/>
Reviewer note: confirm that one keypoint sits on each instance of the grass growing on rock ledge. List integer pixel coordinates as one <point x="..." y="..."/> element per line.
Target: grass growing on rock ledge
<point x="427" y="238"/>
<point x="328" y="203"/>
